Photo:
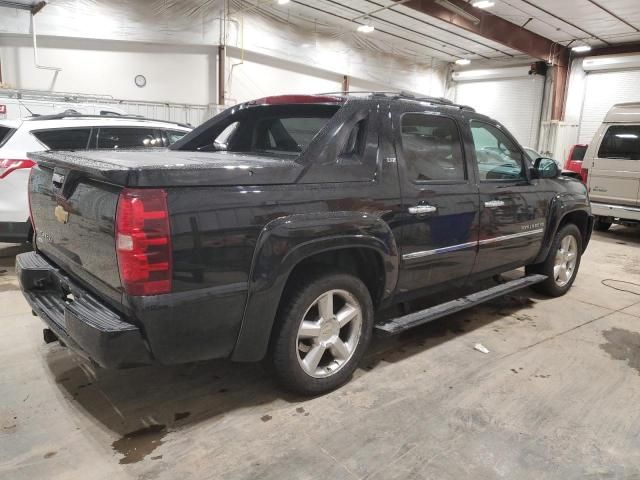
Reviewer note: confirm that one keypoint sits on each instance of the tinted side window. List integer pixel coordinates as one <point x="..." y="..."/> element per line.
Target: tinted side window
<point x="64" y="139"/>
<point x="125" y="137"/>
<point x="621" y="142"/>
<point x="498" y="157"/>
<point x="431" y="148"/>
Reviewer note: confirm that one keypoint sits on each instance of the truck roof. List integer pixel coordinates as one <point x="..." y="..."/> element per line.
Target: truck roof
<point x="624" y="113"/>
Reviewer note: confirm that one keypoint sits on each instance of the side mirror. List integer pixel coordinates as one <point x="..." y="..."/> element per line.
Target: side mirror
<point x="546" y="168"/>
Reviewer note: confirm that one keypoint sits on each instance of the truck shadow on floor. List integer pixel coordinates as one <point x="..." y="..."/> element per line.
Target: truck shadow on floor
<point x="142" y="405"/>
<point x="620" y="235"/>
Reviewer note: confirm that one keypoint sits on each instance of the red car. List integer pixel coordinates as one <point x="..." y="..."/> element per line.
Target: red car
<point x="574" y="162"/>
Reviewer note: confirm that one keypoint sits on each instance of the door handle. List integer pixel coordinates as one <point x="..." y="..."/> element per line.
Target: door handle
<point x="494" y="204"/>
<point x="422" y="209"/>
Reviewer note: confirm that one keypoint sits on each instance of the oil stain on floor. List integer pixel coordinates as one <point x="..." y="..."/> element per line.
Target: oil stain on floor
<point x="135" y="446"/>
<point x="623" y="345"/>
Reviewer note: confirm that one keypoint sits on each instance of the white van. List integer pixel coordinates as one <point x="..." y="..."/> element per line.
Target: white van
<point x="613" y="164"/>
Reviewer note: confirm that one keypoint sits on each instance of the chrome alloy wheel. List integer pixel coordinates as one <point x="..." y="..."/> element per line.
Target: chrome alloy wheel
<point x="566" y="259"/>
<point x="329" y="333"/>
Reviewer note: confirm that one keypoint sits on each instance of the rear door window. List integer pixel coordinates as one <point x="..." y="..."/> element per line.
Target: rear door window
<point x="431" y="148"/>
<point x="128" y="137"/>
<point x="621" y="142"/>
<point x="64" y="139"/>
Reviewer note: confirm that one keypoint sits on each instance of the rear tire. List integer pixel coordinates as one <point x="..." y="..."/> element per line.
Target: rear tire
<point x="562" y="262"/>
<point x="322" y="331"/>
<point x="601" y="224"/>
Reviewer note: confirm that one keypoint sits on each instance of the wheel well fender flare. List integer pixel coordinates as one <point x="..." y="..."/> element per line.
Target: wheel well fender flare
<point x="286" y="242"/>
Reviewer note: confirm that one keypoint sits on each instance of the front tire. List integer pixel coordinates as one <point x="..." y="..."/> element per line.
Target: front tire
<point x="562" y="262"/>
<point x="322" y="332"/>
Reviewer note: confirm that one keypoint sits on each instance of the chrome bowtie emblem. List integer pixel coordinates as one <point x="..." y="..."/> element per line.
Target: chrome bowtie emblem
<point x="61" y="214"/>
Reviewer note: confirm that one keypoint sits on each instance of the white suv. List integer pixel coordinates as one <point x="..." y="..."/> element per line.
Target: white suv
<point x="65" y="131"/>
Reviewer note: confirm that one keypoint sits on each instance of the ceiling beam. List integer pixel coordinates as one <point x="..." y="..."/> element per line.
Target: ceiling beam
<point x="496" y="29"/>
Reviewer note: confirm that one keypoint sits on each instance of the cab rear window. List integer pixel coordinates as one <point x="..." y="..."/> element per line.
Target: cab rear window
<point x="279" y="130"/>
<point x="621" y="142"/>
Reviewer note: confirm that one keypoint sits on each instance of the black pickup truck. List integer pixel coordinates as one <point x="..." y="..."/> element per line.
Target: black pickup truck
<point x="279" y="227"/>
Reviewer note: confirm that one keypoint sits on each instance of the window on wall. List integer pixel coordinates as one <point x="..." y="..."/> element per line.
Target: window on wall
<point x="621" y="142"/>
<point x="431" y="148"/>
<point x="498" y="157"/>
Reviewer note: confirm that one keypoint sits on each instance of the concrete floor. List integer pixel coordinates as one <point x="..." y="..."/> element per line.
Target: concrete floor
<point x="557" y="397"/>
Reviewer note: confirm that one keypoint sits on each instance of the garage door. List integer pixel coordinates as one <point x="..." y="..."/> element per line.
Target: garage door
<point x="514" y="102"/>
<point x="604" y="90"/>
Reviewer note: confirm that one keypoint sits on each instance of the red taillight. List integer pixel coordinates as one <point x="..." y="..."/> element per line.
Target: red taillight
<point x="584" y="173"/>
<point x="143" y="241"/>
<point x="29" y="186"/>
<point x="8" y="165"/>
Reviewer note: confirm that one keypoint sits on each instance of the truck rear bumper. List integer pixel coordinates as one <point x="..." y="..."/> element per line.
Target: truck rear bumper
<point x="616" y="211"/>
<point x="80" y="320"/>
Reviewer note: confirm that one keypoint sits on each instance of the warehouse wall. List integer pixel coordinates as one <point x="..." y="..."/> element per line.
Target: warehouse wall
<point x="168" y="25"/>
<point x="181" y="74"/>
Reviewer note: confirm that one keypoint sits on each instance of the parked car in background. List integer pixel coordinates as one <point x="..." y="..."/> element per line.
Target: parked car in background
<point x="574" y="162"/>
<point x="613" y="164"/>
<point x="283" y="237"/>
<point x="65" y="131"/>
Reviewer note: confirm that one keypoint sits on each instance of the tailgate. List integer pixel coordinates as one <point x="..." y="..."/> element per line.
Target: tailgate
<point x="74" y="217"/>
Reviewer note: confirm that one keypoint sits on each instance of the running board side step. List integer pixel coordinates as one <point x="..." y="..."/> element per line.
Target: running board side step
<point x="421" y="317"/>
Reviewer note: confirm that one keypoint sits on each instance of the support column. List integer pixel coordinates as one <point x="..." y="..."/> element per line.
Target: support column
<point x="221" y="74"/>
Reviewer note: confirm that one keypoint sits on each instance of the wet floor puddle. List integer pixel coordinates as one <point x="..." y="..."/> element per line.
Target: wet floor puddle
<point x="623" y="345"/>
<point x="135" y="446"/>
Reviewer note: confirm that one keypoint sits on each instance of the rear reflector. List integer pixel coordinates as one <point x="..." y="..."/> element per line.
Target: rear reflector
<point x="143" y="241"/>
<point x="8" y="165"/>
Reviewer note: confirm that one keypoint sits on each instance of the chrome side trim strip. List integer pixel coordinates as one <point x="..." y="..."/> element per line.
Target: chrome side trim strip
<point x="462" y="246"/>
<point x="427" y="253"/>
<point x="615" y="207"/>
<point x="509" y="237"/>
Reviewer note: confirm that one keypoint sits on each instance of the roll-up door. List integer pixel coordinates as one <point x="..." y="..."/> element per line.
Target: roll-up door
<point x="603" y="91"/>
<point x="514" y="102"/>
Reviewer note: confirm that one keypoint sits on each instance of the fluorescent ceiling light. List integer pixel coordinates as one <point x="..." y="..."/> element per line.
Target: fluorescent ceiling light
<point x="626" y="135"/>
<point x="458" y="11"/>
<point x="581" y="48"/>
<point x="366" y="28"/>
<point x="463" y="61"/>
<point x="483" y="4"/>
<point x="283" y="2"/>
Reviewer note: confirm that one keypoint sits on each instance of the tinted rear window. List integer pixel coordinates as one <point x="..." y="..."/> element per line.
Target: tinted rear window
<point x="64" y="139"/>
<point x="578" y="152"/>
<point x="5" y="134"/>
<point x="621" y="142"/>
